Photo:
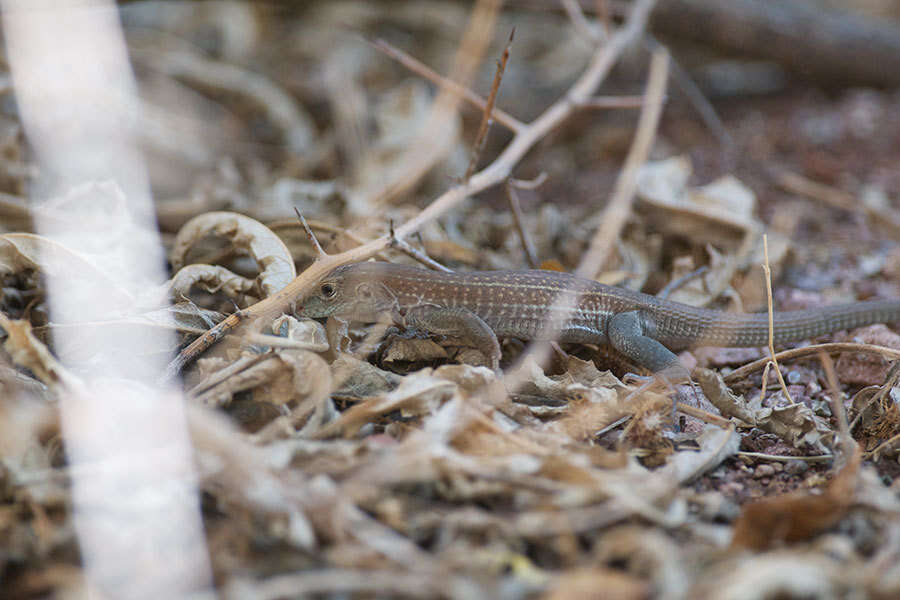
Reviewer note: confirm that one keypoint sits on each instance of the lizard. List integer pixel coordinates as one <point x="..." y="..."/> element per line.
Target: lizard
<point x="481" y="306"/>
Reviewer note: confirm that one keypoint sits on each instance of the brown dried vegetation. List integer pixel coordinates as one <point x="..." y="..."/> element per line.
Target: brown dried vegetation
<point x="398" y="468"/>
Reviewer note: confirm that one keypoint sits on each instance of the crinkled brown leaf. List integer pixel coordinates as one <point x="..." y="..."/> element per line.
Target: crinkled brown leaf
<point x="246" y="234"/>
<point x="796" y="424"/>
<point x="799" y="516"/>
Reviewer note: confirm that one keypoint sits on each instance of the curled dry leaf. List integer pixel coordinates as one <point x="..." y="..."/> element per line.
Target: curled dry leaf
<point x="795" y="424"/>
<point x="212" y="279"/>
<point x="246" y="234"/>
<point x="878" y="415"/>
<point x="799" y="516"/>
<point x="721" y="213"/>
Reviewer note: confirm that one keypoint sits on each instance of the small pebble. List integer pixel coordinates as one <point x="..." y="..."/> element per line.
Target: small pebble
<point x="796" y="467"/>
<point x="732" y="488"/>
<point x="764" y="470"/>
<point x="779" y="467"/>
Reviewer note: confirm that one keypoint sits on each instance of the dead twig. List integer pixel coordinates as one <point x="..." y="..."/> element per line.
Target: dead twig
<point x="515" y="209"/>
<point x="837" y="404"/>
<point x="703" y="415"/>
<point x="812" y="351"/>
<point x="779" y="458"/>
<point x="619" y="206"/>
<point x="322" y="226"/>
<point x="499" y="115"/>
<point x="798" y="184"/>
<point x="679" y="282"/>
<point x="481" y="137"/>
<point x="436" y="134"/>
<point x="401" y="245"/>
<point x="771" y="313"/>
<point x="579" y="22"/>
<point x="608" y="102"/>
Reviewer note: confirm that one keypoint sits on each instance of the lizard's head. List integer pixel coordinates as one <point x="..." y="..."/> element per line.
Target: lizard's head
<point x="351" y="292"/>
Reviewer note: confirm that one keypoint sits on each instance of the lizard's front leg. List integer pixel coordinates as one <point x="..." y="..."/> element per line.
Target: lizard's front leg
<point x="458" y="322"/>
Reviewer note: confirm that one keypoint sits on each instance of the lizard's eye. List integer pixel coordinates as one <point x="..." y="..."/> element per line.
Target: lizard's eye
<point x="328" y="290"/>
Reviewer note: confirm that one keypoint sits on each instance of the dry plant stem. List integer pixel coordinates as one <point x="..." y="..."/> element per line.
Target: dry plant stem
<point x="224" y="373"/>
<point x="881" y="447"/>
<point x="423" y="153"/>
<point x="504" y="118"/>
<point x="485" y="125"/>
<point x="704" y="416"/>
<point x="701" y="104"/>
<point x="276" y="341"/>
<point x="606" y="102"/>
<point x="797" y="184"/>
<point x="771" y="309"/>
<point x="779" y="458"/>
<point x="516" y="210"/>
<point x="619" y="206"/>
<point x="676" y="284"/>
<point x="765" y="380"/>
<point x="579" y="21"/>
<point x="813" y="351"/>
<point x="322" y="226"/>
<point x="890" y="382"/>
<point x="403" y="246"/>
<point x="837" y="404"/>
<point x="496" y="172"/>
<point x="601" y="9"/>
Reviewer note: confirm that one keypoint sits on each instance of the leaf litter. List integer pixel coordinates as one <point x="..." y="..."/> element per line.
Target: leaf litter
<point x="403" y="469"/>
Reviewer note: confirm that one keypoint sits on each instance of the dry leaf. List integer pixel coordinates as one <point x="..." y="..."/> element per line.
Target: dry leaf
<point x="246" y="235"/>
<point x="795" y="424"/>
<point x="798" y="516"/>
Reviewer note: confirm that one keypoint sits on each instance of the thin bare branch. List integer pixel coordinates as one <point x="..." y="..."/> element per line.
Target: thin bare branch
<point x="610" y="102"/>
<point x="516" y="210"/>
<point x="403" y="246"/>
<point x="814" y="350"/>
<point x="579" y="22"/>
<point x="417" y="67"/>
<point x="619" y="206"/>
<point x="311" y="236"/>
<point x="771" y="312"/>
<point x="486" y="120"/>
